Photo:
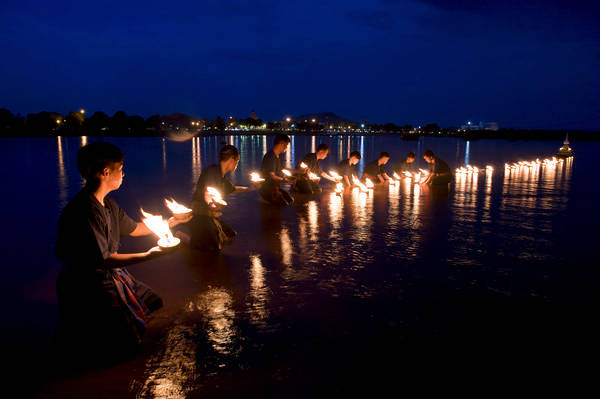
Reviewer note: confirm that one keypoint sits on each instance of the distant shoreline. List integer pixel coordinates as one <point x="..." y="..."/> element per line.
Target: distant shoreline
<point x="506" y="134"/>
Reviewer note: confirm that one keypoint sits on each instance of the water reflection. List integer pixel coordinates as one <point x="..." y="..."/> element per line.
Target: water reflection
<point x="83" y="141"/>
<point x="196" y="162"/>
<point x="259" y="292"/>
<point x="216" y="306"/>
<point x="62" y="174"/>
<point x="170" y="372"/>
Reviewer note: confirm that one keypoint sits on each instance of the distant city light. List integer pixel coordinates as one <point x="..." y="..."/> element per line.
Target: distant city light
<point x="362" y="125"/>
<point x="82" y="111"/>
<point x="58" y="121"/>
<point x="288" y="119"/>
<point x="313" y="120"/>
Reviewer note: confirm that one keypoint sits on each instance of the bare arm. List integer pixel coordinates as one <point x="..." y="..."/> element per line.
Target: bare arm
<point x="120" y="260"/>
<point x="328" y="177"/>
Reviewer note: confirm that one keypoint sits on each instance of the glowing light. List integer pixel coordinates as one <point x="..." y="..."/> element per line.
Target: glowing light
<point x="368" y="183"/>
<point x="216" y="196"/>
<point x="335" y="175"/>
<point x="255" y="177"/>
<point x="286" y="172"/>
<point x="160" y="227"/>
<point x="176" y="208"/>
<point x="313" y="176"/>
<point x="303" y="165"/>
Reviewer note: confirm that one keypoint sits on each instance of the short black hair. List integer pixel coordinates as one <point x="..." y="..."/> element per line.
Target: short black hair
<point x="281" y="138"/>
<point x="94" y="157"/>
<point x="411" y="155"/>
<point x="355" y="154"/>
<point x="322" y="147"/>
<point x="384" y="155"/>
<point x="228" y="151"/>
<point x="428" y="154"/>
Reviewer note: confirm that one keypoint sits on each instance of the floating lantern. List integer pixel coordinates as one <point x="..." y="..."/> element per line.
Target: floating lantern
<point x="178" y="210"/>
<point x="160" y="227"/>
<point x="216" y="196"/>
<point x="335" y="175"/>
<point x="255" y="177"/>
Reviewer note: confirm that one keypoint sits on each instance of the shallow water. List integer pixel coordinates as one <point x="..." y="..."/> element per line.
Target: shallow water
<point x="319" y="296"/>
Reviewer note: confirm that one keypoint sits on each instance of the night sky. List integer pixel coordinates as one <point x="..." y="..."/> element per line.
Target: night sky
<point x="524" y="64"/>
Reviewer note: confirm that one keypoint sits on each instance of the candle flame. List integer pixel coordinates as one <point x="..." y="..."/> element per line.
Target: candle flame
<point x="255" y="177"/>
<point x="216" y="196"/>
<point x="313" y="176"/>
<point x="335" y="175"/>
<point x="303" y="165"/>
<point x="368" y="183"/>
<point x="176" y="208"/>
<point x="160" y="227"/>
<point x="396" y="176"/>
<point x="360" y="185"/>
<point x="286" y="172"/>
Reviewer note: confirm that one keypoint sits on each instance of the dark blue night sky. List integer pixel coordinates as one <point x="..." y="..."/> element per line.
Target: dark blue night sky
<point x="526" y="64"/>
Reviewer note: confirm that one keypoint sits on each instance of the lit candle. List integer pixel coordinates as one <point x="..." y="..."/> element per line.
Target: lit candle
<point x="255" y="177"/>
<point x="160" y="227"/>
<point x="178" y="210"/>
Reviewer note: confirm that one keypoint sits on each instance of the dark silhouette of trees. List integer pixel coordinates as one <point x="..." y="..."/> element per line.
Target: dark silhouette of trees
<point x="98" y="123"/>
<point x="10" y="125"/>
<point x="44" y="123"/>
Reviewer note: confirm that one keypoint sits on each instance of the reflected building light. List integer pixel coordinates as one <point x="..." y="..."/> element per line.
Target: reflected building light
<point x="467" y="152"/>
<point x="340" y="149"/>
<point x="264" y="145"/>
<point x="164" y="155"/>
<point x="62" y="173"/>
<point x="230" y="140"/>
<point x="83" y="141"/>
<point x="286" y="247"/>
<point x="196" y="162"/>
<point x="313" y="144"/>
<point x="293" y="154"/>
<point x="170" y="372"/>
<point x="348" y="148"/>
<point x="288" y="157"/>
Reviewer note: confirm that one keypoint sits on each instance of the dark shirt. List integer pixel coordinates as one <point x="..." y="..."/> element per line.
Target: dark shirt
<point x="312" y="162"/>
<point x="404" y="166"/>
<point x="373" y="169"/>
<point x="439" y="167"/>
<point x="89" y="232"/>
<point x="345" y="169"/>
<point x="210" y="177"/>
<point x="271" y="163"/>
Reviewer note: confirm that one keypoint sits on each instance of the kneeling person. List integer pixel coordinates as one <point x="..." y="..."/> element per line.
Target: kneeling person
<point x="347" y="168"/>
<point x="271" y="168"/>
<point x="375" y="170"/>
<point x="306" y="185"/>
<point x="208" y="231"/>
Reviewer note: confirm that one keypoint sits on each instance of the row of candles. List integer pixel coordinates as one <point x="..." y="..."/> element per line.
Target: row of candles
<point x="160" y="226"/>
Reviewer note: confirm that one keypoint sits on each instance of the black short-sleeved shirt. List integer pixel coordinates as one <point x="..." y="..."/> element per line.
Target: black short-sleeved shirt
<point x="88" y="232"/>
<point x="312" y="162"/>
<point x="440" y="167"/>
<point x="271" y="163"/>
<point x="210" y="177"/>
<point x="373" y="169"/>
<point x="345" y="169"/>
<point x="404" y="166"/>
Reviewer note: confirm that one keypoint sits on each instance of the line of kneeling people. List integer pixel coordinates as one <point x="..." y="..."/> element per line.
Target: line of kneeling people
<point x="103" y="309"/>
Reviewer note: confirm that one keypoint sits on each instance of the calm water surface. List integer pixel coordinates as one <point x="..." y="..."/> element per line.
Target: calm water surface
<point x="320" y="297"/>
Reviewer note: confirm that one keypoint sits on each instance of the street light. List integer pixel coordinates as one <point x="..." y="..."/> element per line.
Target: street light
<point x="288" y="119"/>
<point x="313" y="120"/>
<point x="82" y="111"/>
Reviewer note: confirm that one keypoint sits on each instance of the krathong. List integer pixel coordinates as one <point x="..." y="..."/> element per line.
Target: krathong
<point x="179" y="211"/>
<point x="303" y="165"/>
<point x="160" y="227"/>
<point x="339" y="189"/>
<point x="216" y="196"/>
<point x="255" y="177"/>
<point x="286" y="172"/>
<point x="313" y="176"/>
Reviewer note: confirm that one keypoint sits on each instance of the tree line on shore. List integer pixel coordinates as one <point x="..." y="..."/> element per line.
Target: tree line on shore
<point x="76" y="123"/>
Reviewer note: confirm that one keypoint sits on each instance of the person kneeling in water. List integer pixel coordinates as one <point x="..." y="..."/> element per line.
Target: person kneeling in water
<point x="208" y="231"/>
<point x="101" y="306"/>
<point x="311" y="162"/>
<point x="271" y="168"/>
